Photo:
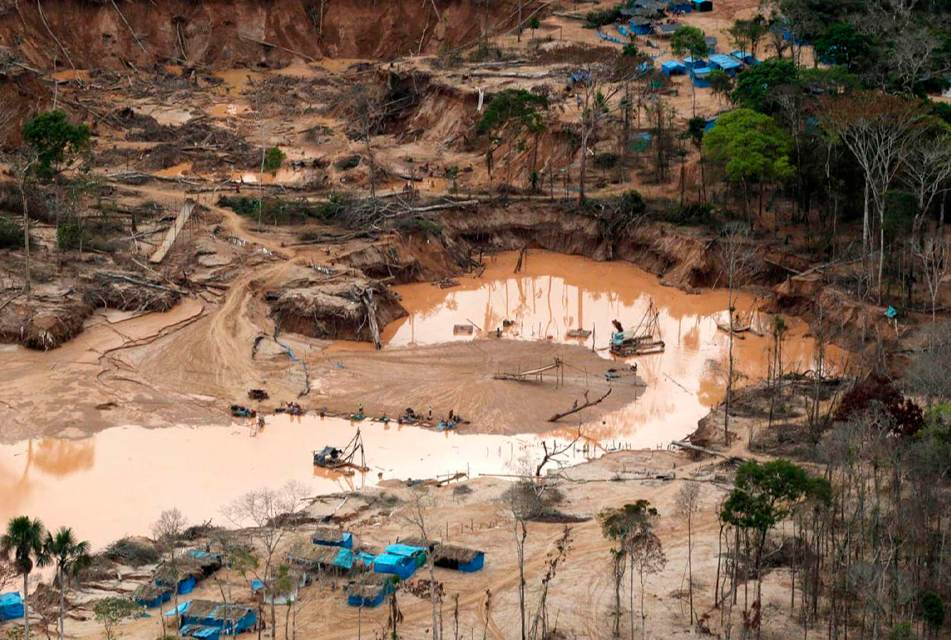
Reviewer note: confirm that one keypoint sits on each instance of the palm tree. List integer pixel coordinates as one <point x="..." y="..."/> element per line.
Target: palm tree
<point x="23" y="543"/>
<point x="69" y="556"/>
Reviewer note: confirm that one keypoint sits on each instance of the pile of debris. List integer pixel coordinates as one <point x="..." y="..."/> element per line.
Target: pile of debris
<point x="343" y="306"/>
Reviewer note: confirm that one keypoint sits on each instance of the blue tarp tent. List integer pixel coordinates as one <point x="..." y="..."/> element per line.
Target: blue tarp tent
<point x="703" y="5"/>
<point x="368" y="595"/>
<point x="694" y="63"/>
<point x="11" y="606"/>
<point x="725" y="63"/>
<point x="673" y="68"/>
<point x="330" y="537"/>
<point x="745" y="58"/>
<point x="418" y="554"/>
<point x="228" y="619"/>
<point x="187" y="585"/>
<point x="151" y="595"/>
<point x="402" y="566"/>
<point x="701" y="77"/>
<point x="474" y="565"/>
<point x="641" y="26"/>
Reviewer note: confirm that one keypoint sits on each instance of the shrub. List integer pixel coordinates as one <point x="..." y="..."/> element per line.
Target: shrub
<point x="11" y="234"/>
<point x="70" y="235"/>
<point x="274" y="159"/>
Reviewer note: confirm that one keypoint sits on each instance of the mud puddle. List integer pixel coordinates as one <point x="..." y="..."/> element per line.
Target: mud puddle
<point x="554" y="294"/>
<point x="118" y="481"/>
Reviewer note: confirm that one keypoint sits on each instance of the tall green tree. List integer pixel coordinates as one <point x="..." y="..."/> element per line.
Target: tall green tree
<point x="752" y="149"/>
<point x="763" y="496"/>
<point x="23" y="545"/>
<point x="632" y="526"/>
<point x="842" y="45"/>
<point x="69" y="556"/>
<point x="55" y="141"/>
<point x="755" y="85"/>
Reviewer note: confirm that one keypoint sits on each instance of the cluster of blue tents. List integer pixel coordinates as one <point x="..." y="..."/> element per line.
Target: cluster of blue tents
<point x="11" y="606"/>
<point x="375" y="575"/>
<point x="700" y="70"/>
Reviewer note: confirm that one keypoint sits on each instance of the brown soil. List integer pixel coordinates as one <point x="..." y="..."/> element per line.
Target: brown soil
<point x="227" y="34"/>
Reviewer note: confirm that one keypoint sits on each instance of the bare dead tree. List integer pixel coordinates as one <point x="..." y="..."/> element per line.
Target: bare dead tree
<point x="365" y="109"/>
<point x="167" y="531"/>
<point x="416" y="517"/>
<point x="927" y="171"/>
<point x="688" y="503"/>
<point x="270" y="514"/>
<point x="736" y="261"/>
<point x="935" y="257"/>
<point x="879" y="130"/>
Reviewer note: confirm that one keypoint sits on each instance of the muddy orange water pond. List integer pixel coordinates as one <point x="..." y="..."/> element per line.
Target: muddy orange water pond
<point x="554" y="294"/>
<point x="116" y="482"/>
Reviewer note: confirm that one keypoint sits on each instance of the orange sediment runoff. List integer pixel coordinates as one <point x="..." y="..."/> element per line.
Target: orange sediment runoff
<point x="555" y="293"/>
<point x="118" y="481"/>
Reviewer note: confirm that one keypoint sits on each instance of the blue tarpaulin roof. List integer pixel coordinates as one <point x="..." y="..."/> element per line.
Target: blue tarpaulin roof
<point x="724" y="62"/>
<point x="403" y="550"/>
<point x="8" y="599"/>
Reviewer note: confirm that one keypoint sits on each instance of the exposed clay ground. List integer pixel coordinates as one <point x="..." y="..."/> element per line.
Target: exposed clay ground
<point x="187" y="119"/>
<point x="580" y="595"/>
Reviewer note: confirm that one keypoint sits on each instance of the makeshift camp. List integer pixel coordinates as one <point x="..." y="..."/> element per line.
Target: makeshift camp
<point x="152" y="595"/>
<point x="725" y="63"/>
<point x="333" y="537"/>
<point x="680" y="6"/>
<point x="673" y="68"/>
<point x="187" y="570"/>
<point x="329" y="559"/>
<point x="666" y="30"/>
<point x="11" y="606"/>
<point x="694" y="63"/>
<point x="641" y="26"/>
<point x="450" y="556"/>
<point x="368" y="590"/>
<point x="418" y="554"/>
<point x="711" y="43"/>
<point x="228" y="618"/>
<point x="703" y="5"/>
<point x="400" y="560"/>
<point x="701" y="77"/>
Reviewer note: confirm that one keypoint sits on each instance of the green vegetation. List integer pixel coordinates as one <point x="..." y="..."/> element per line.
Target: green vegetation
<point x="602" y="17"/>
<point x="513" y="106"/>
<point x="689" y="41"/>
<point x="55" y="141"/>
<point x="11" y="234"/>
<point x="273" y="160"/>
<point x="751" y="149"/>
<point x="71" y="235"/>
<point x="755" y="85"/>
<point x="841" y="44"/>
<point x="109" y="612"/>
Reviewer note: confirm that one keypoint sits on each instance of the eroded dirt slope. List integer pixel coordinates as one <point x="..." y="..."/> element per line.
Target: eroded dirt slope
<point x="223" y="33"/>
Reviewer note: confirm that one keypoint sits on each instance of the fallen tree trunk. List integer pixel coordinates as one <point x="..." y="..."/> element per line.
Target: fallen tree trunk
<point x="588" y="403"/>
